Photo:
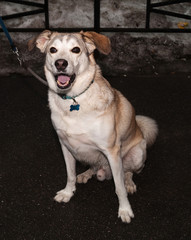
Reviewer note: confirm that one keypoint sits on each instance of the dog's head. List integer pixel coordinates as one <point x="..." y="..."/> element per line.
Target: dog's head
<point x="68" y="55"/>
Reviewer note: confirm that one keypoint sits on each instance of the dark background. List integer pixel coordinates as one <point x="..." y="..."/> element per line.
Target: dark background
<point x="33" y="168"/>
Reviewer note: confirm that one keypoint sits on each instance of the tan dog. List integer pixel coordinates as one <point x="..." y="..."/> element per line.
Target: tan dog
<point x="95" y="123"/>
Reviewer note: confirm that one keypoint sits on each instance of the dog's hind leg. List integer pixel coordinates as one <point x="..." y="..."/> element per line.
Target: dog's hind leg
<point x="100" y="168"/>
<point x="85" y="176"/>
<point x="134" y="162"/>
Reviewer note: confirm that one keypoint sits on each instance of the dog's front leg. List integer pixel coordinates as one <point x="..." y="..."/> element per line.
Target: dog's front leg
<point x="114" y="158"/>
<point x="66" y="194"/>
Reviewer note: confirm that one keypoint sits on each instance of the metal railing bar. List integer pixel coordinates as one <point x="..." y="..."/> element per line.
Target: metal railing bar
<point x="170" y="2"/>
<point x="150" y="9"/>
<point x="135" y="30"/>
<point x="34" y="4"/>
<point x="173" y="14"/>
<point x="22" y="14"/>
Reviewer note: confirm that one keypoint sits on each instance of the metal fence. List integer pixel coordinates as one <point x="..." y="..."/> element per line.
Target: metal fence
<point x="150" y="8"/>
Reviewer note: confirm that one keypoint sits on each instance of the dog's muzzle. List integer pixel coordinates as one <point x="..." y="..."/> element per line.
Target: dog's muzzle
<point x="64" y="81"/>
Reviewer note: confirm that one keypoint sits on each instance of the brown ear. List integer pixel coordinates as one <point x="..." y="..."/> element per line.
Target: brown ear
<point x="41" y="41"/>
<point x="96" y="40"/>
<point x="32" y="43"/>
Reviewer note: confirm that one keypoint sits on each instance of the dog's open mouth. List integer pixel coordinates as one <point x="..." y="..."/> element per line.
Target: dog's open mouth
<point x="64" y="81"/>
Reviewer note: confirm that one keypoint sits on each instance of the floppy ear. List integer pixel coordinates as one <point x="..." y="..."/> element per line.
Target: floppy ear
<point x="41" y="41"/>
<point x="95" y="40"/>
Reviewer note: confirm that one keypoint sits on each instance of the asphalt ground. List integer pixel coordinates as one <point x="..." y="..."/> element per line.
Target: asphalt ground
<point x="32" y="167"/>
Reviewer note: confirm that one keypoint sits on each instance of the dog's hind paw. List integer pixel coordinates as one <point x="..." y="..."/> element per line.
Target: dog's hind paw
<point x="130" y="187"/>
<point x="125" y="215"/>
<point x="63" y="196"/>
<point x="85" y="176"/>
<point x="129" y="184"/>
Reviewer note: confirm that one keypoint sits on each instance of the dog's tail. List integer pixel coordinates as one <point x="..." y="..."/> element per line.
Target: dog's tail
<point x="148" y="127"/>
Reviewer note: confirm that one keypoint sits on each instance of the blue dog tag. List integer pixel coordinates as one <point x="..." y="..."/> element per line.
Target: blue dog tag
<point x="74" y="107"/>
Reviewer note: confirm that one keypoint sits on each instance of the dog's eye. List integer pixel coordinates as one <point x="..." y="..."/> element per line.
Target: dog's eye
<point x="75" y="50"/>
<point x="53" y="50"/>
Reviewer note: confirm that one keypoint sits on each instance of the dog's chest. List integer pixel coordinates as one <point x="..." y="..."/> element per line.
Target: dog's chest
<point x="80" y="132"/>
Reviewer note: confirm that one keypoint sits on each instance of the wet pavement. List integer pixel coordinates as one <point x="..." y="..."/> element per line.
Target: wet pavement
<point x="33" y="169"/>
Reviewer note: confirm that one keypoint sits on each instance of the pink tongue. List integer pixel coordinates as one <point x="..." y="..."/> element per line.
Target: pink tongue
<point x="63" y="79"/>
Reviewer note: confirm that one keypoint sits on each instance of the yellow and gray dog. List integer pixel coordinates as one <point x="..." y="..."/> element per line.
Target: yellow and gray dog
<point x="95" y="123"/>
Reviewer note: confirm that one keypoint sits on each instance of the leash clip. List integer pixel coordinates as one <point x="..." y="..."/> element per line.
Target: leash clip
<point x="19" y="58"/>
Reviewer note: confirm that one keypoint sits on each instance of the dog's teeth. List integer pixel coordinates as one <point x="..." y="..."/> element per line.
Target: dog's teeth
<point x="62" y="84"/>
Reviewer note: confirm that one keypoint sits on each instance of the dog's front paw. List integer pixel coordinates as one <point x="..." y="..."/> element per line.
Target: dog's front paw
<point x="63" y="196"/>
<point x="125" y="215"/>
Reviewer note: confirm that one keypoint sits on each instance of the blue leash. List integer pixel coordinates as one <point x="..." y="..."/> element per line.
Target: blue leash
<point x="13" y="47"/>
<point x="16" y="51"/>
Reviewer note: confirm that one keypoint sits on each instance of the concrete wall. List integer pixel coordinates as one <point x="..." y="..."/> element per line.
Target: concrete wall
<point x="146" y="53"/>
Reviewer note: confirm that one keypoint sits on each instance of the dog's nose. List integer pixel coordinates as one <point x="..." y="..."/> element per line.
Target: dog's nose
<point x="61" y="64"/>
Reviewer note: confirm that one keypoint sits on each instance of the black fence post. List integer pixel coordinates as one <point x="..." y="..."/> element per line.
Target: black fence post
<point x="97" y="15"/>
<point x="148" y="14"/>
<point x="46" y="14"/>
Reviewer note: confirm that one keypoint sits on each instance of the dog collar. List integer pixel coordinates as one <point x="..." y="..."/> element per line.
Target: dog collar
<point x="75" y="105"/>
